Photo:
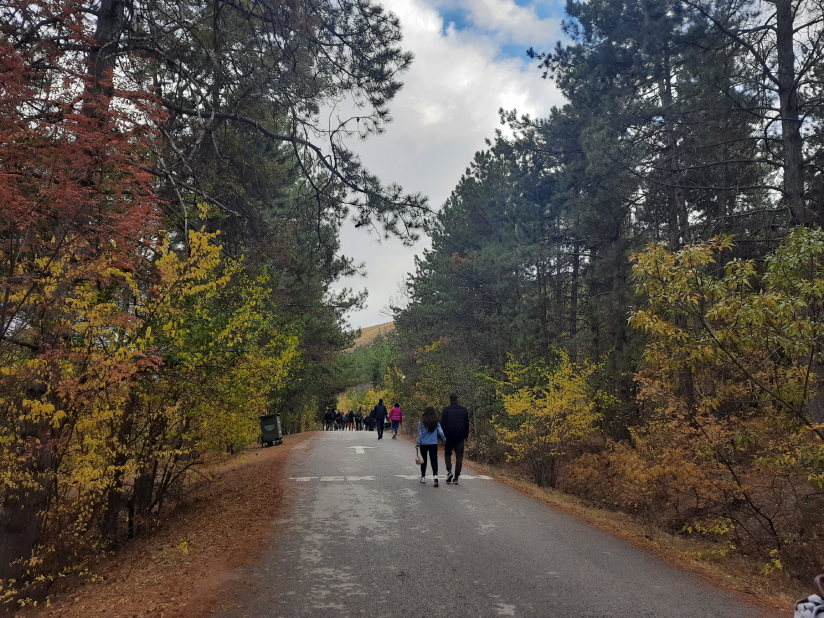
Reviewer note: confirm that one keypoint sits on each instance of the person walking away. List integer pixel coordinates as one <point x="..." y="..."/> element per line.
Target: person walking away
<point x="396" y="416"/>
<point x="339" y="421"/>
<point x="429" y="430"/>
<point x="359" y="419"/>
<point x="455" y="424"/>
<point x="327" y="422"/>
<point x="350" y="420"/>
<point x="379" y="414"/>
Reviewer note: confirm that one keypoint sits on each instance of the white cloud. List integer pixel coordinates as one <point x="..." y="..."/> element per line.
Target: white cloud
<point x="448" y="105"/>
<point x="513" y="23"/>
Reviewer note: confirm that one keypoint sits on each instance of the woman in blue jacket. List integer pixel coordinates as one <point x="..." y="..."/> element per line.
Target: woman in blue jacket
<point x="429" y="430"/>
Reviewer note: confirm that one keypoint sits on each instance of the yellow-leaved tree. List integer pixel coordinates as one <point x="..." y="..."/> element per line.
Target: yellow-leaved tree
<point x="548" y="410"/>
<point x="98" y="431"/>
<point x="731" y="385"/>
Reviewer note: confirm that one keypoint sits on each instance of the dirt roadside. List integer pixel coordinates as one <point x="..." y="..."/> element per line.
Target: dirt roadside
<point x="180" y="570"/>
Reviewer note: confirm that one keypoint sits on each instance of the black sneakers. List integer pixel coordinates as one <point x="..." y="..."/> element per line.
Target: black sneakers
<point x="448" y="478"/>
<point x="455" y="481"/>
<point x="436" y="481"/>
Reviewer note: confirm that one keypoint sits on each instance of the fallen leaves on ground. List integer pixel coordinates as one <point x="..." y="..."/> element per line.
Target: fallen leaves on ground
<point x="179" y="570"/>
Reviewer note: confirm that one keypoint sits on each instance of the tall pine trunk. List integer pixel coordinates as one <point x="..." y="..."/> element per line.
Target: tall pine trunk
<point x="790" y="120"/>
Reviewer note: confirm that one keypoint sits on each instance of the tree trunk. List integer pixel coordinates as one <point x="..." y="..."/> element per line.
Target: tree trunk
<point x="20" y="527"/>
<point x="573" y="302"/>
<point x="21" y="515"/>
<point x="790" y="121"/>
<point x="102" y="57"/>
<point x="113" y="500"/>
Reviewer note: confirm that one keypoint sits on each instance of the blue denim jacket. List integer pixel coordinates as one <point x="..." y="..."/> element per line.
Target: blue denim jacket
<point x="425" y="436"/>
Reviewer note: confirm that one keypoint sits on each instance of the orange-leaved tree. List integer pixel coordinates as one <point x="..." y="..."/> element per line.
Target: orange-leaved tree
<point x="124" y="354"/>
<point x="77" y="221"/>
<point x="731" y="378"/>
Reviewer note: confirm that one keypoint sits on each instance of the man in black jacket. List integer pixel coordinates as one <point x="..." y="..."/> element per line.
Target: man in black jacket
<point x="379" y="414"/>
<point x="455" y="425"/>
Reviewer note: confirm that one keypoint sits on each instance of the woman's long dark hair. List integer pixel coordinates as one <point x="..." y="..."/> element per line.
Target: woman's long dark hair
<point x="430" y="418"/>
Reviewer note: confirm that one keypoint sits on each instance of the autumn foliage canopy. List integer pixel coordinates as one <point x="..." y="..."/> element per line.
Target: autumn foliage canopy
<point x="124" y="356"/>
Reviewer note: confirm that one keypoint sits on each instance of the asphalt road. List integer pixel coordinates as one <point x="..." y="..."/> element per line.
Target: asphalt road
<point x="363" y="537"/>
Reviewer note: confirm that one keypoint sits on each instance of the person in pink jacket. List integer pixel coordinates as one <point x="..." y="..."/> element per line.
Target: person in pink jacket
<point x="396" y="416"/>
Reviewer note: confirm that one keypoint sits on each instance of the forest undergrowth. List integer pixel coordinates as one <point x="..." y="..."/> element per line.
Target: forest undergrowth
<point x="182" y="567"/>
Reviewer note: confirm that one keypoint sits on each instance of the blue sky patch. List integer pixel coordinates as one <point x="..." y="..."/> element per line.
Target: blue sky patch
<point x="546" y="10"/>
<point x="457" y="16"/>
<point x="513" y="50"/>
<point x="511" y="44"/>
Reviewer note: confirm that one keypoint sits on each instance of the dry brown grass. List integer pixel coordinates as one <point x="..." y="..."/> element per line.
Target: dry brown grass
<point x="369" y="334"/>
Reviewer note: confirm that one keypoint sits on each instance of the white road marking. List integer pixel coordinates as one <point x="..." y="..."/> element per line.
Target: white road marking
<point x="359" y="449"/>
<point x="409" y="477"/>
<point x="339" y="478"/>
<point x="412" y="477"/>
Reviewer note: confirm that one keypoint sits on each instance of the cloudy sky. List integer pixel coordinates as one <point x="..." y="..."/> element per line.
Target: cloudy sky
<point x="469" y="62"/>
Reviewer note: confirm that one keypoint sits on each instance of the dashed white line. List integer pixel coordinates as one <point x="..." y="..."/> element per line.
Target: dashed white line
<point x="409" y="477"/>
<point x="413" y="477"/>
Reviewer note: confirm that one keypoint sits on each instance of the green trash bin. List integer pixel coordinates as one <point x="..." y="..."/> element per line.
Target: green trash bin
<point x="270" y="432"/>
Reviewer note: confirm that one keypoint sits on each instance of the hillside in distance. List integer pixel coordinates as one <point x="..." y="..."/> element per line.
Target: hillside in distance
<point x="369" y="333"/>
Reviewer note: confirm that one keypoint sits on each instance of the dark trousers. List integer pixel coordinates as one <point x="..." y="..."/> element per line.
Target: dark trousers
<point x="432" y="451"/>
<point x="458" y="447"/>
<point x="380" y="429"/>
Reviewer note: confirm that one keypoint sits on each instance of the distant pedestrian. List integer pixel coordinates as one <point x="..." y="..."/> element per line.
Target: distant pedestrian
<point x="379" y="415"/>
<point x="328" y="420"/>
<point x="429" y="430"/>
<point x="350" y="421"/>
<point x="396" y="416"/>
<point x="455" y="424"/>
<point x="359" y="419"/>
<point x="339" y="420"/>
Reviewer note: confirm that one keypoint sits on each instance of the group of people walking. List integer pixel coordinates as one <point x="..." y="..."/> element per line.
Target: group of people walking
<point x="334" y="420"/>
<point x="381" y="416"/>
<point x="452" y="428"/>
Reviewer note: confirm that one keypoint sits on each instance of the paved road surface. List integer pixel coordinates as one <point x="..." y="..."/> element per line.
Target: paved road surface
<point x="363" y="537"/>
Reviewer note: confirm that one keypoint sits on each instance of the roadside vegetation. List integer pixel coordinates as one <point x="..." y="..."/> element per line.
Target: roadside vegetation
<point x="168" y="239"/>
<point x="627" y="294"/>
